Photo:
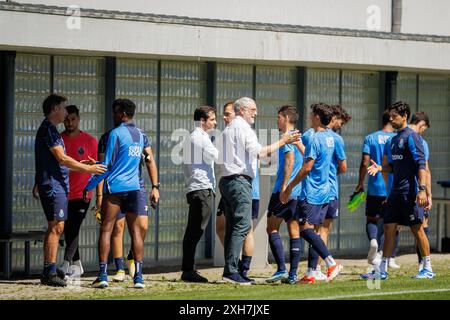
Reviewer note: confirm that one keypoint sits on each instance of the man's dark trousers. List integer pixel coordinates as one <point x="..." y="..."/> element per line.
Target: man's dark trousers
<point x="200" y="209"/>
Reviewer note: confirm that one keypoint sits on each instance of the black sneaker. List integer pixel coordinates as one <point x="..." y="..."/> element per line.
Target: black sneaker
<point x="244" y="276"/>
<point x="52" y="280"/>
<point x="193" y="276"/>
<point x="60" y="273"/>
<point x="236" y="278"/>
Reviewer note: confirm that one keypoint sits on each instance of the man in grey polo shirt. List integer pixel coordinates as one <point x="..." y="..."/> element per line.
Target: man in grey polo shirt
<point x="199" y="155"/>
<point x="239" y="150"/>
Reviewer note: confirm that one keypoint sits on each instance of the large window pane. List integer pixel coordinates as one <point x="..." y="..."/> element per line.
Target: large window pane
<point x="32" y="86"/>
<point x="183" y="89"/>
<point x="360" y="99"/>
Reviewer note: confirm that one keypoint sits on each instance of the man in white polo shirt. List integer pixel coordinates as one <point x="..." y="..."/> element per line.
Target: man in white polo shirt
<point x="199" y="155"/>
<point x="239" y="150"/>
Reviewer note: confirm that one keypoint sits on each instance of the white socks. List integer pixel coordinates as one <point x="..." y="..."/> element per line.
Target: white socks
<point x="330" y="261"/>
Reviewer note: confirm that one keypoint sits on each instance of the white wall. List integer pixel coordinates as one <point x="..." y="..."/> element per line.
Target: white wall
<point x="426" y="17"/>
<point x="349" y="14"/>
<point x="48" y="33"/>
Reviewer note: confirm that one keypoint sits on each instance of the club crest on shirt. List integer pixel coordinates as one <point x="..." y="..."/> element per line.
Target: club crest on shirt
<point x="80" y="151"/>
<point x="330" y="142"/>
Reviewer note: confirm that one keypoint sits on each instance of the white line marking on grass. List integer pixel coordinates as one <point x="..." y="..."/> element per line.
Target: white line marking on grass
<point x="379" y="294"/>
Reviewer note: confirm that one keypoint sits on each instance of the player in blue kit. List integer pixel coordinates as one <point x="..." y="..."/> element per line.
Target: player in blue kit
<point x="315" y="190"/>
<point x="373" y="149"/>
<point x="121" y="188"/>
<point x="289" y="163"/>
<point x="338" y="167"/>
<point x="419" y="123"/>
<point x="119" y="227"/>
<point x="52" y="181"/>
<point x="409" y="190"/>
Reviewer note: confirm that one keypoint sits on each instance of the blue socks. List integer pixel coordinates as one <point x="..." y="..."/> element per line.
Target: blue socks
<point x="276" y="245"/>
<point x="119" y="263"/>
<point x="49" y="268"/>
<point x="244" y="264"/>
<point x="397" y="240"/>
<point x="138" y="271"/>
<point x="295" y="245"/>
<point x="316" y="242"/>
<point x="313" y="258"/>
<point x="371" y="230"/>
<point x="103" y="268"/>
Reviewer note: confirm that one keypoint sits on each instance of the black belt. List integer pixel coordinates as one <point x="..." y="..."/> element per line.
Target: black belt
<point x="234" y="176"/>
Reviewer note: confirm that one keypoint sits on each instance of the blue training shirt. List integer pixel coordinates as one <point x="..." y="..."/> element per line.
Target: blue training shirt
<point x="316" y="185"/>
<point x="338" y="155"/>
<point x="122" y="158"/>
<point x="374" y="147"/>
<point x="255" y="185"/>
<point x="298" y="161"/>
<point x="307" y="136"/>
<point x="407" y="156"/>
<point x="51" y="176"/>
<point x="426" y="150"/>
<point x="102" y="149"/>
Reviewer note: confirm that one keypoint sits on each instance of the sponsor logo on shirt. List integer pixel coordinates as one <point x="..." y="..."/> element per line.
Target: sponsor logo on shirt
<point x="401" y="143"/>
<point x="397" y="157"/>
<point x="134" y="151"/>
<point x="382" y="139"/>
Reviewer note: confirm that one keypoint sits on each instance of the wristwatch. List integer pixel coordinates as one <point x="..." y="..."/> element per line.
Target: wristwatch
<point x="156" y="185"/>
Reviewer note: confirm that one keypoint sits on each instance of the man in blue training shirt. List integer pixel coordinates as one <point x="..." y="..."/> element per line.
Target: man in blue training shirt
<point x="419" y="123"/>
<point x="338" y="167"/>
<point x="52" y="181"/>
<point x="143" y="210"/>
<point x="373" y="148"/>
<point x="289" y="163"/>
<point x="121" y="187"/>
<point x="315" y="190"/>
<point x="409" y="190"/>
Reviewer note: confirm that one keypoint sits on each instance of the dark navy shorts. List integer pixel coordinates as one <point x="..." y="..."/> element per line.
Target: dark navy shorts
<point x="403" y="210"/>
<point x="255" y="208"/>
<point x="313" y="214"/>
<point x="55" y="205"/>
<point x="423" y="212"/>
<point x="132" y="201"/>
<point x="374" y="207"/>
<point x="285" y="211"/>
<point x="333" y="209"/>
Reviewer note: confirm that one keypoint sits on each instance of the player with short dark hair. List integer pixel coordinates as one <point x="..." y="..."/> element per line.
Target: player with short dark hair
<point x="419" y="123"/>
<point x="80" y="146"/>
<point x="373" y="148"/>
<point x="289" y="163"/>
<point x="410" y="189"/>
<point x="121" y="188"/>
<point x="338" y="167"/>
<point x="52" y="181"/>
<point x="316" y="188"/>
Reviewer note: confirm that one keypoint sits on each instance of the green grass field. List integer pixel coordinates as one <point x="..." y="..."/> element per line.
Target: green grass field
<point x="167" y="286"/>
